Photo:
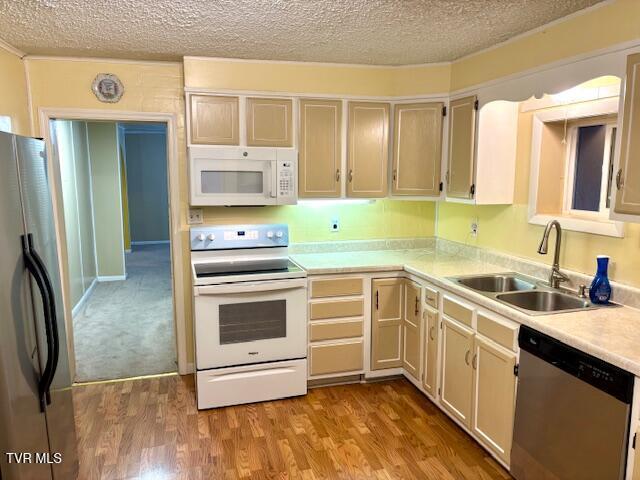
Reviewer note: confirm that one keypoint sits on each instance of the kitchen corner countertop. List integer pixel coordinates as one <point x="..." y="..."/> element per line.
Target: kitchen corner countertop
<point x="611" y="334"/>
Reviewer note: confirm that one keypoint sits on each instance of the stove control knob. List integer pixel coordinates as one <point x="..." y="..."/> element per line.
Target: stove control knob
<point x="200" y="237"/>
<point x="269" y="234"/>
<point x="279" y="234"/>
<point x="211" y="237"/>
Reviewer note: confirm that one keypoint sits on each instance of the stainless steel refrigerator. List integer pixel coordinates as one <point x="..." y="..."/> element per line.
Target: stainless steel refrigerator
<point x="37" y="431"/>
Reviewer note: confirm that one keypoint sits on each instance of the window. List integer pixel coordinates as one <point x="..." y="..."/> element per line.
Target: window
<point x="590" y="169"/>
<point x="5" y="123"/>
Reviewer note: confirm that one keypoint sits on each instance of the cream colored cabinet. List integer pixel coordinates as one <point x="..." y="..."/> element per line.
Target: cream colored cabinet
<point x="430" y="368"/>
<point x="320" y="148"/>
<point x="462" y="131"/>
<point x="494" y="395"/>
<point x="627" y="178"/>
<point x="214" y="120"/>
<point x="457" y="373"/>
<point x="269" y="122"/>
<point x="636" y="462"/>
<point x="367" y="149"/>
<point x="386" y="323"/>
<point x="417" y="149"/>
<point x="336" y="326"/>
<point x="411" y="328"/>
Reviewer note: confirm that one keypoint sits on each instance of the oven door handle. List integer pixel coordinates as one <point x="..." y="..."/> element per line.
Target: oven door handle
<point x="250" y="287"/>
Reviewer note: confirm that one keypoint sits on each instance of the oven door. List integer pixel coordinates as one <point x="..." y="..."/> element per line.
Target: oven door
<point x="232" y="181"/>
<point x="250" y="322"/>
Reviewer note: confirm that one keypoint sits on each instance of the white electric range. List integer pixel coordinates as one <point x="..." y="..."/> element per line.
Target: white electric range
<point x="250" y="315"/>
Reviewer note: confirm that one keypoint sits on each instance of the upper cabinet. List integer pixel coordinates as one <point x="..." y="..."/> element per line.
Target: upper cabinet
<point x="214" y="120"/>
<point x="320" y="148"/>
<point x="627" y="176"/>
<point x="481" y="160"/>
<point x="462" y="131"/>
<point x="269" y="122"/>
<point x="417" y="149"/>
<point x="367" y="149"/>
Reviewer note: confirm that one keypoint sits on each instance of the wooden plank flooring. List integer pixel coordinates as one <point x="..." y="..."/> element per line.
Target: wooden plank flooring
<point x="150" y="429"/>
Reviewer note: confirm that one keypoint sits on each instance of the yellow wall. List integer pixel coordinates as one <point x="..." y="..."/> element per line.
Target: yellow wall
<point x="310" y="78"/>
<point x="13" y="92"/>
<point x="507" y="229"/>
<point x="603" y="26"/>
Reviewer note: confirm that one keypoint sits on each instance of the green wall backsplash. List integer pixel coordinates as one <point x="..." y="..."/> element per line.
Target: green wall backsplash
<point x="310" y="222"/>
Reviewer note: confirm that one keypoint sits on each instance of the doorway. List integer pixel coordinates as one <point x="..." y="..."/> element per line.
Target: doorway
<point x="115" y="203"/>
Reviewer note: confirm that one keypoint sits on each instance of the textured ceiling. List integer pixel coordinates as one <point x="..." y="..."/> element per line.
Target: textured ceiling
<point x="383" y="32"/>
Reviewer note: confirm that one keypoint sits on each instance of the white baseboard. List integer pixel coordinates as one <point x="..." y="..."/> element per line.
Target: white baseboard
<point x="150" y="242"/>
<point x="111" y="278"/>
<point x="127" y="250"/>
<point x="189" y="368"/>
<point x="84" y="298"/>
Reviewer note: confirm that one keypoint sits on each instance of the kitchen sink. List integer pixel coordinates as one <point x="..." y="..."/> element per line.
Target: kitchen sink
<point x="496" y="283"/>
<point x="543" y="301"/>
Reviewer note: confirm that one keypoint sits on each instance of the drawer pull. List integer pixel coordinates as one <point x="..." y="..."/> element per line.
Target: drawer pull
<point x="474" y="361"/>
<point x="432" y="333"/>
<point x="377" y="298"/>
<point x="466" y="357"/>
<point x="417" y="310"/>
<point x="337" y="175"/>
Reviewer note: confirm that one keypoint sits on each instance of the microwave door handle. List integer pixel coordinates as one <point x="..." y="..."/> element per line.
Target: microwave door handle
<point x="274" y="179"/>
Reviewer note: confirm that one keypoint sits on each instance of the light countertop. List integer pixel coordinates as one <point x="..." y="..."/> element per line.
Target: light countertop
<point x="611" y="334"/>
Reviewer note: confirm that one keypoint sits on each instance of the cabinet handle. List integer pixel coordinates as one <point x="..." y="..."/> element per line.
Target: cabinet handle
<point x="446" y="177"/>
<point x="417" y="310"/>
<point x="431" y="333"/>
<point x="377" y="298"/>
<point x="466" y="357"/>
<point x="337" y="175"/>
<point x="350" y="176"/>
<point x="619" y="180"/>
<point x="395" y="174"/>
<point x="431" y="299"/>
<point x="474" y="361"/>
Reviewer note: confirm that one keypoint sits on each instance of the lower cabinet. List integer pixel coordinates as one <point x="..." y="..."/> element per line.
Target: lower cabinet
<point x="636" y="465"/>
<point x="335" y="357"/>
<point x="430" y="368"/>
<point x="411" y="323"/>
<point x="457" y="373"/>
<point x="494" y="395"/>
<point x="386" y="323"/>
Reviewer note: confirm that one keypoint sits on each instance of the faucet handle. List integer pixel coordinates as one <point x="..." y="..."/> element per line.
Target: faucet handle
<point x="583" y="291"/>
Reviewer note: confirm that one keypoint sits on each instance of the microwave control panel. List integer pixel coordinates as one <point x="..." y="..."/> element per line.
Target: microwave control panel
<point x="286" y="179"/>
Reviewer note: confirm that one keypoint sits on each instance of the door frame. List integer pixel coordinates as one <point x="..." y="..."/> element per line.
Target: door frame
<point x="175" y="233"/>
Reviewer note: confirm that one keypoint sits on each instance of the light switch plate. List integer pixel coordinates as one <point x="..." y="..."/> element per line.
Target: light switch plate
<point x="195" y="216"/>
<point x="334" y="226"/>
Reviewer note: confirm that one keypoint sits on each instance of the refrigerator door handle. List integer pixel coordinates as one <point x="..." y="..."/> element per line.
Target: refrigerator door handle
<point x="47" y="302"/>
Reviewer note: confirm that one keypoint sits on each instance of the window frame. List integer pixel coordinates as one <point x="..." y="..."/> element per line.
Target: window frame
<point x="570" y="171"/>
<point x="598" y="225"/>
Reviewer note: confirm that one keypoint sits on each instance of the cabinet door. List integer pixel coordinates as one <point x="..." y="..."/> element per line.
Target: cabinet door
<point x="411" y="329"/>
<point x="462" y="128"/>
<point x="417" y="149"/>
<point x="494" y="395"/>
<point x="368" y="149"/>
<point x="636" y="461"/>
<point x="269" y="122"/>
<point x="431" y="351"/>
<point x="320" y="145"/>
<point x="628" y="175"/>
<point x="214" y="120"/>
<point x="386" y="323"/>
<point x="457" y="374"/>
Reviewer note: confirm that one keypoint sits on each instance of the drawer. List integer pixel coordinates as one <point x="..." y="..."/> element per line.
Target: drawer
<point x="336" y="287"/>
<point x="336" y="358"/>
<point x="336" y="309"/>
<point x="332" y="330"/>
<point x="453" y="309"/>
<point x="500" y="332"/>
<point x="431" y="296"/>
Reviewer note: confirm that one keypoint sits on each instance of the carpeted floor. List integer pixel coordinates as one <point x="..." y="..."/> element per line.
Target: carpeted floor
<point x="126" y="328"/>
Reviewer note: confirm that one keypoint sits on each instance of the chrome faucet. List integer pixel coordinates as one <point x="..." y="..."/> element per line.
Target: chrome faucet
<point x="556" y="275"/>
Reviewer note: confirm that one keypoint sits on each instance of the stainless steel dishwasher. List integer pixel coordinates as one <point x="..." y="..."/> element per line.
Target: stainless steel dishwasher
<point x="572" y="413"/>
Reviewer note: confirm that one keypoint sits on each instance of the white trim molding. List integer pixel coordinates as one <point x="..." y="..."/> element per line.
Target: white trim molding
<point x="111" y="278"/>
<point x="84" y="298"/>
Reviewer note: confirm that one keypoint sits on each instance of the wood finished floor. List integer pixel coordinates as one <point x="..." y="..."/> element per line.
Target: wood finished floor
<point x="150" y="429"/>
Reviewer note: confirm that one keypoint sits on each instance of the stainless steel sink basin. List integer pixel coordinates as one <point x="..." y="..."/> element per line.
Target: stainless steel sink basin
<point x="543" y="301"/>
<point x="496" y="283"/>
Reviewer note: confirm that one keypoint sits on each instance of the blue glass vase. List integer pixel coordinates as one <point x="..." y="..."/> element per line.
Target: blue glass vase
<point x="600" y="291"/>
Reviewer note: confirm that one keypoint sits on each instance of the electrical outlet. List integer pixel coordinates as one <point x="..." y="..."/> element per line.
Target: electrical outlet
<point x="474" y="228"/>
<point x="195" y="216"/>
<point x="335" y="224"/>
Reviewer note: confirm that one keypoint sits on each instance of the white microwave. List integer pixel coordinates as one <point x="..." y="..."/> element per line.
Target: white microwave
<point x="243" y="176"/>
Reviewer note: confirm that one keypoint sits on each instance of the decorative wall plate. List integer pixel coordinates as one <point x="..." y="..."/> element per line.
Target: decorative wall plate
<point x="107" y="87"/>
